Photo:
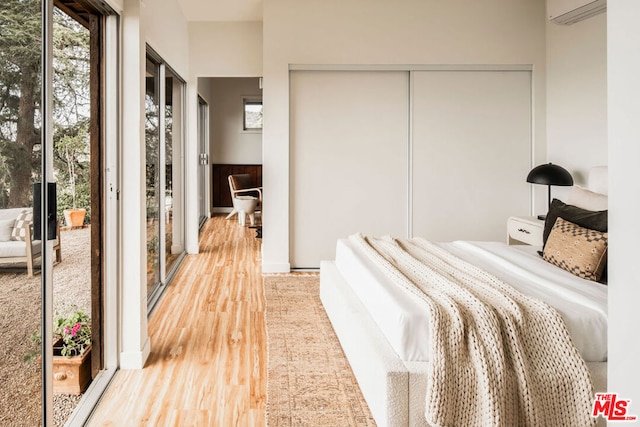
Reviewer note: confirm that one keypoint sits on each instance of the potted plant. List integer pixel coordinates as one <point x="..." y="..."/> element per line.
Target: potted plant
<point x="71" y="350"/>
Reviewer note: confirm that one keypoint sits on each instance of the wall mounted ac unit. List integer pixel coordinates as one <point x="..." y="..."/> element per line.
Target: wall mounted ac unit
<point x="567" y="12"/>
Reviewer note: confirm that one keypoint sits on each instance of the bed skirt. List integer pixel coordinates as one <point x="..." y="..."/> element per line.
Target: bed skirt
<point x="394" y="389"/>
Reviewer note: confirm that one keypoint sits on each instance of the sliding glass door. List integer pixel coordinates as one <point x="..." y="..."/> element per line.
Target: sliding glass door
<point x="173" y="172"/>
<point x="52" y="132"/>
<point x="152" y="154"/>
<point x="164" y="144"/>
<point x="203" y="156"/>
<point x="21" y="290"/>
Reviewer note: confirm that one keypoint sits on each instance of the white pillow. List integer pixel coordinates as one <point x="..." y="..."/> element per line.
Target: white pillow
<point x="6" y="226"/>
<point x="25" y="219"/>
<point x="585" y="199"/>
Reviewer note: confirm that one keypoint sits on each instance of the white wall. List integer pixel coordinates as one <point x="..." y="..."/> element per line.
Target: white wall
<point x="164" y="28"/>
<point x="225" y="49"/>
<point x="229" y="143"/>
<point x="204" y="89"/>
<point x="117" y="5"/>
<point x="135" y="344"/>
<point x="382" y="32"/>
<point x="623" y="43"/>
<point x="577" y="97"/>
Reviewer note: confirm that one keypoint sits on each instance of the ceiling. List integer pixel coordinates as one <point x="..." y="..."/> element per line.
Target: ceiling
<point x="222" y="10"/>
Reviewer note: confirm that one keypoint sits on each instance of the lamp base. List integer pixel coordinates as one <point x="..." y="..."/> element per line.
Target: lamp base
<point x="542" y="217"/>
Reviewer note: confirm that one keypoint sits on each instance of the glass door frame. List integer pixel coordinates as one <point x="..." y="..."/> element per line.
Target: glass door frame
<point x="164" y="275"/>
<point x="46" y="173"/>
<point x="112" y="277"/>
<point x="110" y="135"/>
<point x="203" y="161"/>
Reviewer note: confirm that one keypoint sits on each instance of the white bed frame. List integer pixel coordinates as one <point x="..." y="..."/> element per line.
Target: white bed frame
<point x="394" y="389"/>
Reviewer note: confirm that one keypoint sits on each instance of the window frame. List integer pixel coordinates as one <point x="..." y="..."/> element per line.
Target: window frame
<point x="250" y="100"/>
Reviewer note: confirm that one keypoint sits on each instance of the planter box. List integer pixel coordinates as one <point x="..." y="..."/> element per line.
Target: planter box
<point x="71" y="375"/>
<point x="74" y="218"/>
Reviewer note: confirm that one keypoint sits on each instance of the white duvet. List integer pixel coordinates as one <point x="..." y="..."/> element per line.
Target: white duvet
<point x="581" y="303"/>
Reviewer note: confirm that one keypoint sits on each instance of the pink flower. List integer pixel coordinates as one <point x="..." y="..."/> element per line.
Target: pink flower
<point x="75" y="329"/>
<point x="66" y="330"/>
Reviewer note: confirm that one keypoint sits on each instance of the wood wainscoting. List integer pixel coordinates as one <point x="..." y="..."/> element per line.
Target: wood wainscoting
<point x="221" y="197"/>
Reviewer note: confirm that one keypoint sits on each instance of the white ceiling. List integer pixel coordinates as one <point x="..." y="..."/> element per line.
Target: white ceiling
<point x="222" y="10"/>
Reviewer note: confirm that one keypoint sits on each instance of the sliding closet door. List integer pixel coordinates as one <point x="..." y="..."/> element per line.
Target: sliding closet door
<point x="471" y="152"/>
<point x="349" y="133"/>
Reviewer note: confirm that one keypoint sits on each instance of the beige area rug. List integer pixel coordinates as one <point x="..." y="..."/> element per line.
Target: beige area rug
<point x="310" y="382"/>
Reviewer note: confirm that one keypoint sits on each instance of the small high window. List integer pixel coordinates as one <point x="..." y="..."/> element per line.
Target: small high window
<point x="252" y="120"/>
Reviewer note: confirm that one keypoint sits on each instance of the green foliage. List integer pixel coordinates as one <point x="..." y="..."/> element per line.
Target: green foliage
<point x="74" y="333"/>
<point x="20" y="69"/>
<point x="20" y="64"/>
<point x="34" y="351"/>
<point x="72" y="167"/>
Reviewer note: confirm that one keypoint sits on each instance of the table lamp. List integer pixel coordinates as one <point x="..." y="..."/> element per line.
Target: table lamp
<point x="549" y="174"/>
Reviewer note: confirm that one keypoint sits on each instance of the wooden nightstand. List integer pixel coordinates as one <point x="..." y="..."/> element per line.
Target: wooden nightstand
<point x="524" y="230"/>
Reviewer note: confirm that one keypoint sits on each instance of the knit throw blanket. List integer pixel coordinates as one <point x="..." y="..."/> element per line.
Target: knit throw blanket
<point x="498" y="358"/>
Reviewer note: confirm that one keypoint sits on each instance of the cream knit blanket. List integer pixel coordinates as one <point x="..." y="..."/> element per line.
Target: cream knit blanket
<point x="498" y="358"/>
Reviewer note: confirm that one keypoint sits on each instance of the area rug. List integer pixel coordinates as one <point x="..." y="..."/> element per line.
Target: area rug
<point x="310" y="382"/>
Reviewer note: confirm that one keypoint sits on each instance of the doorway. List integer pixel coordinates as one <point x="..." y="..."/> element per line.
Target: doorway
<point x="235" y="140"/>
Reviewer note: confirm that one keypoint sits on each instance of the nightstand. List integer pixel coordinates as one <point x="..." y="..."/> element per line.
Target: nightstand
<point x="524" y="230"/>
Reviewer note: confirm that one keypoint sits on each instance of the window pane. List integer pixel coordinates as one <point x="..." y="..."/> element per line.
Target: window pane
<point x="20" y="160"/>
<point x="252" y="114"/>
<point x="174" y="236"/>
<point x="152" y="149"/>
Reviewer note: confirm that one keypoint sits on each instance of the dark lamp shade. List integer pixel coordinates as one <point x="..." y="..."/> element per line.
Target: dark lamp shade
<point x="550" y="174"/>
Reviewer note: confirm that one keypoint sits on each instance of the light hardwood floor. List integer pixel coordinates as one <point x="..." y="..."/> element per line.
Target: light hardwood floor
<point x="207" y="365"/>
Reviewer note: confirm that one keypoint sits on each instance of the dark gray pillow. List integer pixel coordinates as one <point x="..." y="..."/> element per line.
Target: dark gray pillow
<point x="594" y="220"/>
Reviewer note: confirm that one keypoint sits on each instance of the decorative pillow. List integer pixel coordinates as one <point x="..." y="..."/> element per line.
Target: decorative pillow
<point x="578" y="250"/>
<point x="594" y="220"/>
<point x="586" y="199"/>
<point x="18" y="232"/>
<point x="6" y="227"/>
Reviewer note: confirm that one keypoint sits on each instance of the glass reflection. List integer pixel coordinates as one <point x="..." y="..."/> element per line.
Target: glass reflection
<point x="20" y="148"/>
<point x="152" y="150"/>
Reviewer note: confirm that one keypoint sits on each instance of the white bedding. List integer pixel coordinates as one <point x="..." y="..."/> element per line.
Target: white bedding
<point x="581" y="303"/>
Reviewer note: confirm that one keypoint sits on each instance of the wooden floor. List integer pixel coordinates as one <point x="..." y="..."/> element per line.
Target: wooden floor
<point x="207" y="365"/>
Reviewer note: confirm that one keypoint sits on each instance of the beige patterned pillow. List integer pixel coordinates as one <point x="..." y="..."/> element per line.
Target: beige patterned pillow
<point x="19" y="233"/>
<point x="578" y="250"/>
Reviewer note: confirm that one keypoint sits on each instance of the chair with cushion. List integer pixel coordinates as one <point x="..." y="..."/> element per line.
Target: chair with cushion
<point x="246" y="197"/>
<point x="16" y="239"/>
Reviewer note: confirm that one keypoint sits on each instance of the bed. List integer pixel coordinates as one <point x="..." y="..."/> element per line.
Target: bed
<point x="385" y="335"/>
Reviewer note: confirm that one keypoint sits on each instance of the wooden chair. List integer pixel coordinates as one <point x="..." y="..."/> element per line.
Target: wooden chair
<point x="35" y="251"/>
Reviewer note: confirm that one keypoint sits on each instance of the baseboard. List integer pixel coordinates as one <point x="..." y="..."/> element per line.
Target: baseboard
<point x="221" y="210"/>
<point x="135" y="359"/>
<point x="276" y="267"/>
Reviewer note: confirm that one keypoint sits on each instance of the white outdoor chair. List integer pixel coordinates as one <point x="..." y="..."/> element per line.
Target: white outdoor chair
<point x="246" y="198"/>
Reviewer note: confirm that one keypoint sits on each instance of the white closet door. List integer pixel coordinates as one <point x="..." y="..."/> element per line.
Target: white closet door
<point x="471" y="152"/>
<point x="348" y="138"/>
